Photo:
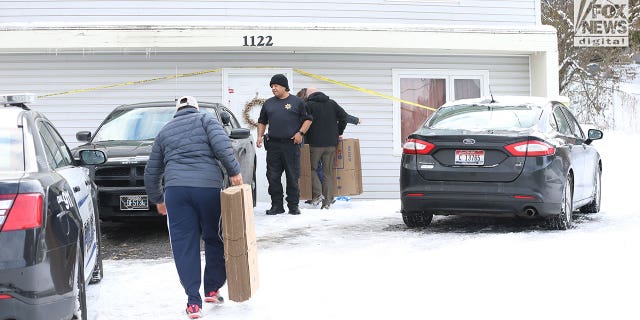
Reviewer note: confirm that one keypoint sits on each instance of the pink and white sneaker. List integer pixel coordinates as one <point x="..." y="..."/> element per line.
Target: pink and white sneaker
<point x="213" y="297"/>
<point x="193" y="311"/>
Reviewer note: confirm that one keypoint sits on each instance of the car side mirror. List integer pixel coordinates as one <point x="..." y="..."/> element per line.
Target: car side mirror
<point x="92" y="157"/>
<point x="225" y="117"/>
<point x="83" y="136"/>
<point x="239" y="133"/>
<point x="593" y="134"/>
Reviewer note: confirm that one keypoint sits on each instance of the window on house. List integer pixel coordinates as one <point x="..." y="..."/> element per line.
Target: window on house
<point x="432" y="89"/>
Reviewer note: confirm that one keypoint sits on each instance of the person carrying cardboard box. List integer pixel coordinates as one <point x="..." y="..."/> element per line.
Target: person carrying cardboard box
<point x="186" y="153"/>
<point x="329" y="122"/>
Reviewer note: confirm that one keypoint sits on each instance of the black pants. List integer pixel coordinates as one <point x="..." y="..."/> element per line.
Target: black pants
<point x="283" y="156"/>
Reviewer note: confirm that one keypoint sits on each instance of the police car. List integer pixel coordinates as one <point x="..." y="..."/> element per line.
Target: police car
<point x="49" y="227"/>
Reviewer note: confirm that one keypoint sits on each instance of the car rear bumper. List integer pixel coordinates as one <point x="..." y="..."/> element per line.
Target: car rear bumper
<point x="533" y="189"/>
<point x="19" y="308"/>
<point x="483" y="204"/>
<point x="41" y="290"/>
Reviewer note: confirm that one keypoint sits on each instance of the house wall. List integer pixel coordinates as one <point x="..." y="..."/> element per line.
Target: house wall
<point x="156" y="12"/>
<point x="54" y="73"/>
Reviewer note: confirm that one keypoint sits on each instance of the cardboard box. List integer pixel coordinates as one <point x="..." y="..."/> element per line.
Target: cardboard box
<point x="240" y="247"/>
<point x="347" y="183"/>
<point x="348" y="155"/>
<point x="348" y="166"/>
<point x="305" y="173"/>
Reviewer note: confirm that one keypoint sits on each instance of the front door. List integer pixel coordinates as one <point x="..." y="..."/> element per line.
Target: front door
<point x="240" y="86"/>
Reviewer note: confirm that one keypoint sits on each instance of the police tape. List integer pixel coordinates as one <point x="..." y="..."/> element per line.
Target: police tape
<point x="129" y="83"/>
<point x="360" y="89"/>
<point x="197" y="73"/>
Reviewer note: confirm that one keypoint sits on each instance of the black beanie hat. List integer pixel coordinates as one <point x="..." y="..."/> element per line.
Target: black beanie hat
<point x="281" y="80"/>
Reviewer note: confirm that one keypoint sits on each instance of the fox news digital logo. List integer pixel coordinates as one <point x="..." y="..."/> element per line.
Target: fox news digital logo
<point x="601" y="23"/>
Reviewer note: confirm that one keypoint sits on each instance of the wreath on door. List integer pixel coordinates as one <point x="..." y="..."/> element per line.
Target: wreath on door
<point x="247" y="110"/>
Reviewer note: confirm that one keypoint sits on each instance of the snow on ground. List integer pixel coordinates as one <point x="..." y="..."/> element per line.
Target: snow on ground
<point x="358" y="261"/>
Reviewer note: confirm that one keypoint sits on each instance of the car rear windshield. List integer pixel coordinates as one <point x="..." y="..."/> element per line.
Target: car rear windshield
<point x="485" y="117"/>
<point x="134" y="124"/>
<point x="11" y="149"/>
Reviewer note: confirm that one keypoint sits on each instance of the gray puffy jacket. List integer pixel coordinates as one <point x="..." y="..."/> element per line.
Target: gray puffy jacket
<point x="186" y="152"/>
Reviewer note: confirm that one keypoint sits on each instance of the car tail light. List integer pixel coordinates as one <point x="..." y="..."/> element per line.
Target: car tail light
<point x="5" y="296"/>
<point x="417" y="146"/>
<point x="420" y="194"/>
<point x="530" y="148"/>
<point x="21" y="211"/>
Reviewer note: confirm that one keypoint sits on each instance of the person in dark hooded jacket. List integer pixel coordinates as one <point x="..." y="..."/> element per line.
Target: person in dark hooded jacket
<point x="329" y="122"/>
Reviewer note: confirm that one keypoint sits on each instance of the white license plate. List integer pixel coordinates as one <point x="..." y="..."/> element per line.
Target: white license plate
<point x="469" y="157"/>
<point x="134" y="202"/>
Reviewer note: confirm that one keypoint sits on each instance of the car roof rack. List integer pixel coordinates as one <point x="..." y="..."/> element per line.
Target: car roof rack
<point x="17" y="100"/>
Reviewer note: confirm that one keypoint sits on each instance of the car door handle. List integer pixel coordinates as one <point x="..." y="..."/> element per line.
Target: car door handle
<point x="76" y="189"/>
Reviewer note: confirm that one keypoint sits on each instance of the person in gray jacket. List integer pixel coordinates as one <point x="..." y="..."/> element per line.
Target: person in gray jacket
<point x="186" y="152"/>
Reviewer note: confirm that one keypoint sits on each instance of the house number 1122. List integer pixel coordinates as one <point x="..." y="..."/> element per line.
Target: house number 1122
<point x="257" y="41"/>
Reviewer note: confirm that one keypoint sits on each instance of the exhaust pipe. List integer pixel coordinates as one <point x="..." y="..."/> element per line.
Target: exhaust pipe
<point x="530" y="212"/>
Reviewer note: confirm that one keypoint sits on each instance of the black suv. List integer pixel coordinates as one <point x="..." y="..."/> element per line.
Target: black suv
<point x="49" y="226"/>
<point x="126" y="136"/>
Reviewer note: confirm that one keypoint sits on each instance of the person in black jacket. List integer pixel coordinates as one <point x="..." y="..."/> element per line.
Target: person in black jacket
<point x="329" y="122"/>
<point x="287" y="119"/>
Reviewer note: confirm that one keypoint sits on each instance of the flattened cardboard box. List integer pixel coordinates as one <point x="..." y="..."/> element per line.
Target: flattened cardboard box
<point x="305" y="173"/>
<point x="240" y="247"/>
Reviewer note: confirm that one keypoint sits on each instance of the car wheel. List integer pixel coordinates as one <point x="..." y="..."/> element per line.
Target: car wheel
<point x="563" y="220"/>
<point x="98" y="272"/>
<point x="417" y="219"/>
<point x="80" y="310"/>
<point x="594" y="206"/>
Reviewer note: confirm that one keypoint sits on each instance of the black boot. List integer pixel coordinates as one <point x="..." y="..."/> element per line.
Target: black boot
<point x="275" y="210"/>
<point x="294" y="210"/>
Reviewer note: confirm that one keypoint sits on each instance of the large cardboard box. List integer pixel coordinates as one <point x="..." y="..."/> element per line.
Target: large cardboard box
<point x="305" y="173"/>
<point x="240" y="247"/>
<point x="348" y="166"/>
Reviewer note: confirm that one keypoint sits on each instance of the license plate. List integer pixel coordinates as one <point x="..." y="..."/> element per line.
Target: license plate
<point x="469" y="157"/>
<point x="134" y="202"/>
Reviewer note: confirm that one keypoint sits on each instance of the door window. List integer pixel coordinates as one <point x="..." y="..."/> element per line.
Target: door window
<point x="64" y="151"/>
<point x="55" y="157"/>
<point x="561" y="121"/>
<point x="432" y="89"/>
<point x="573" y="124"/>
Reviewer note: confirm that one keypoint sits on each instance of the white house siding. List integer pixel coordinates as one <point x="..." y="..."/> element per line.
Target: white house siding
<point x="157" y="12"/>
<point x="51" y="73"/>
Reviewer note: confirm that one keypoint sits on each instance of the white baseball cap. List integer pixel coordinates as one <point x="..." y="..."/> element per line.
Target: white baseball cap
<point x="185" y="101"/>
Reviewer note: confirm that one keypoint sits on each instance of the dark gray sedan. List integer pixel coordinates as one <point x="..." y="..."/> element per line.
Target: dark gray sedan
<point x="512" y="156"/>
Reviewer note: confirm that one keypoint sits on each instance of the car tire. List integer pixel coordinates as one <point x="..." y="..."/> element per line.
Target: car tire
<point x="98" y="271"/>
<point x="594" y="206"/>
<point x="80" y="308"/>
<point x="564" y="220"/>
<point x="417" y="219"/>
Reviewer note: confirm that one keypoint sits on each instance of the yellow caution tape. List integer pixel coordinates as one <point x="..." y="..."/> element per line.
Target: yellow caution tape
<point x="197" y="73"/>
<point x="182" y="75"/>
<point x="371" y="92"/>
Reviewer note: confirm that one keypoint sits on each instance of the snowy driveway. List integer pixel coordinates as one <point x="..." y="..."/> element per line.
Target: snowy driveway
<point x="358" y="261"/>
